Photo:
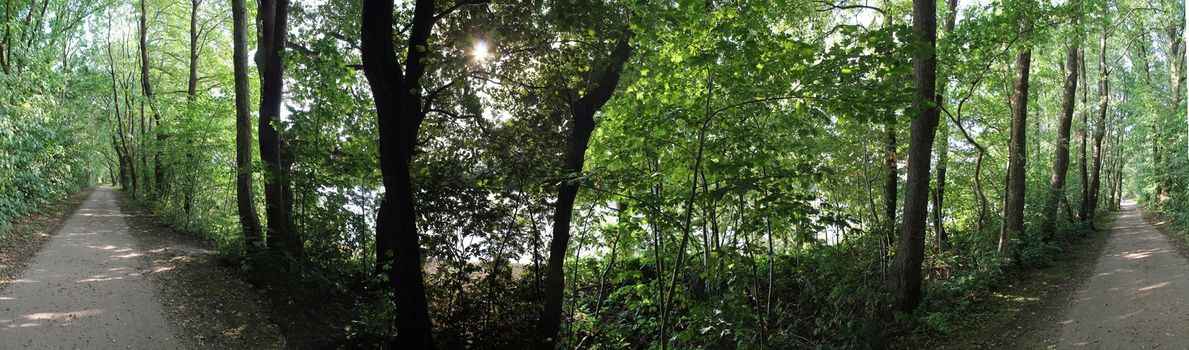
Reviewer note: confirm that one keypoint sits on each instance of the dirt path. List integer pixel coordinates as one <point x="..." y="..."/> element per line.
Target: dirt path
<point x="1136" y="298"/>
<point x="86" y="289"/>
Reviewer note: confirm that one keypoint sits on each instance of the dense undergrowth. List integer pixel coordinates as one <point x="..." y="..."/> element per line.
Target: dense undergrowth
<point x="49" y="151"/>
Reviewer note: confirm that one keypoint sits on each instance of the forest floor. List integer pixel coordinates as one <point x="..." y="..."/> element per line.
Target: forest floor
<point x="245" y="317"/>
<point x="98" y="283"/>
<point x="1124" y="286"/>
<point x="27" y="235"/>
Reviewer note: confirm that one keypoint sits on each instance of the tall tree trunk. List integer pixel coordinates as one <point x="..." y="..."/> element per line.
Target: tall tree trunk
<point x="191" y="96"/>
<point x="1083" y="158"/>
<point x="1120" y="161"/>
<point x="249" y="220"/>
<point x="939" y="189"/>
<point x="582" y="114"/>
<point x="1176" y="58"/>
<point x="1013" y="212"/>
<point x="146" y="88"/>
<point x="399" y="113"/>
<point x="272" y="19"/>
<point x="944" y="143"/>
<point x="127" y="165"/>
<point x="1048" y="224"/>
<point x="891" y="181"/>
<point x="905" y="282"/>
<point x="1100" y="129"/>
<point x="192" y="82"/>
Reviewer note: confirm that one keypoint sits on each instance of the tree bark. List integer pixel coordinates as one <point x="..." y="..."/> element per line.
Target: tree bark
<point x="1013" y="211"/>
<point x="1176" y="58"/>
<point x="272" y="18"/>
<point x="1083" y="159"/>
<point x="191" y="96"/>
<point x="582" y="116"/>
<point x="399" y="113"/>
<point x="146" y="88"/>
<point x="1117" y="179"/>
<point x="905" y="282"/>
<point x="890" y="184"/>
<point x="245" y="203"/>
<point x="128" y="165"/>
<point x="1100" y="129"/>
<point x="1048" y="225"/>
<point x="192" y="82"/>
<point x="944" y="143"/>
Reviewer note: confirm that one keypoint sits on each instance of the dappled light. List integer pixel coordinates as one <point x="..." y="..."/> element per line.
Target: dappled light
<point x="1138" y="292"/>
<point x="593" y="174"/>
<point x="86" y="285"/>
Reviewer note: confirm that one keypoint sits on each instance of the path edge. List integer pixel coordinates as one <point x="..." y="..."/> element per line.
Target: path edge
<point x="31" y="233"/>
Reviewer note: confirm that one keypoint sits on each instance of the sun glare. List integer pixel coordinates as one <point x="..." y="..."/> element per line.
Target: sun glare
<point x="480" y="51"/>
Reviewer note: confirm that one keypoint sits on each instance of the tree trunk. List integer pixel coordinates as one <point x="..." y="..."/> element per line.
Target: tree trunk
<point x="245" y="203"/>
<point x="191" y="96"/>
<point x="890" y="183"/>
<point x="273" y="16"/>
<point x="944" y="142"/>
<point x="1048" y="225"/>
<point x="939" y="189"/>
<point x="583" y="111"/>
<point x="192" y="82"/>
<point x="1120" y="161"/>
<point x="399" y="114"/>
<point x="1176" y="58"/>
<point x="905" y="282"/>
<point x="1083" y="159"/>
<point x="1013" y="213"/>
<point x="1099" y="130"/>
<point x="146" y="87"/>
<point x="128" y="165"/>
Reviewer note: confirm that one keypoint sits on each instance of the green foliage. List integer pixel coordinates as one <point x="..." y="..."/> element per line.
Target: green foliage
<point x="731" y="189"/>
<point x="51" y="148"/>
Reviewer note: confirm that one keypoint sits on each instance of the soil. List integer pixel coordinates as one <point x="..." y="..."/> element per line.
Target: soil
<point x="110" y="280"/>
<point x="1137" y="297"/>
<point x="86" y="289"/>
<point x="1019" y="314"/>
<point x="27" y="235"/>
<point x="1132" y="294"/>
<point x="1179" y="240"/>
<point x="205" y="301"/>
<point x="246" y="316"/>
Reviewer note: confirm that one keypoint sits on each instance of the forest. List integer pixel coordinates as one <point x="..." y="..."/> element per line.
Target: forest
<point x="675" y="174"/>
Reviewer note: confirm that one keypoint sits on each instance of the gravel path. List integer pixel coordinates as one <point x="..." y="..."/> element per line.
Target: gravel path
<point x="86" y="289"/>
<point x="1137" y="297"/>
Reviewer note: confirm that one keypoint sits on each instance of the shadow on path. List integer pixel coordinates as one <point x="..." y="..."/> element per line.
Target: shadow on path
<point x="86" y="289"/>
<point x="1136" y="297"/>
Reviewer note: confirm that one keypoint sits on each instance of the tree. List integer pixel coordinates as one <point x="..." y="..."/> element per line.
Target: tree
<point x="905" y="280"/>
<point x="943" y="142"/>
<point x="146" y="87"/>
<point x="399" y="112"/>
<point x="891" y="182"/>
<point x="1083" y="134"/>
<point x="1099" y="131"/>
<point x="582" y="111"/>
<point x="1013" y="213"/>
<point x="1056" y="193"/>
<point x="272" y="18"/>
<point x="245" y="203"/>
